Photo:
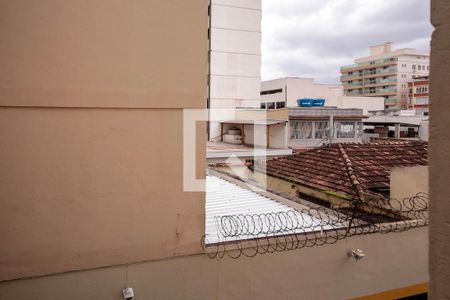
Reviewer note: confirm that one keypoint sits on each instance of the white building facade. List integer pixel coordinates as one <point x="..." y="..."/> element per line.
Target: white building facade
<point x="235" y="59"/>
<point x="386" y="73"/>
<point x="284" y="92"/>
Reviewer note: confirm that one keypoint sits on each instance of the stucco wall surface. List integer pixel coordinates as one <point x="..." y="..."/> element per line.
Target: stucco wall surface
<point x="83" y="188"/>
<point x="407" y="182"/>
<point x="439" y="154"/>
<point x="91" y="99"/>
<point x="393" y="260"/>
<point x="94" y="53"/>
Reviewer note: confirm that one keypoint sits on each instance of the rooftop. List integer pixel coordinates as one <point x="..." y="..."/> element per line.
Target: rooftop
<point x="219" y="151"/>
<point x="403" y="120"/>
<point x="254" y="122"/>
<point x="325" y="111"/>
<point x="226" y="200"/>
<point x="348" y="169"/>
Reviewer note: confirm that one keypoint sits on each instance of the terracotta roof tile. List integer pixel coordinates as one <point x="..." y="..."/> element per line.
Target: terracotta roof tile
<point x="349" y="169"/>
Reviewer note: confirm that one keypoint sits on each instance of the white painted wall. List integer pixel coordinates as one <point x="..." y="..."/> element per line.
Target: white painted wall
<point x="235" y="58"/>
<point x="302" y="87"/>
<point x="392" y="261"/>
<point x="257" y="136"/>
<point x="365" y="103"/>
<point x="306" y="87"/>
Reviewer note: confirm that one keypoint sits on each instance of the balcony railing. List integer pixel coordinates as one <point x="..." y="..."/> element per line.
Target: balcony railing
<point x="380" y="71"/>
<point x="373" y="62"/>
<point x="367" y="83"/>
<point x="354" y="84"/>
<point x="368" y="73"/>
<point x="387" y="80"/>
<point x="381" y="91"/>
<point x="380" y="81"/>
<point x="390" y="101"/>
<point x="354" y="75"/>
<point x="354" y="93"/>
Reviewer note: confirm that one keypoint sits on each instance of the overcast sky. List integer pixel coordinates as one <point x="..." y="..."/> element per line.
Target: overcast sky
<point x="313" y="38"/>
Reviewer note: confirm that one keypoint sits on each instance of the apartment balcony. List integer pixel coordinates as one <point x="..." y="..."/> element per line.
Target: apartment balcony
<point x="390" y="101"/>
<point x="370" y="64"/>
<point x="388" y="80"/>
<point x="353" y="93"/>
<point x="351" y="77"/>
<point x="369" y="74"/>
<point x="381" y="92"/>
<point x="368" y="84"/>
<point x="353" y="85"/>
<point x="381" y="82"/>
<point x="380" y="73"/>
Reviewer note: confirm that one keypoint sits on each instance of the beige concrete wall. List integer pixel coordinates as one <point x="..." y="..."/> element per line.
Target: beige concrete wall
<point x="117" y="53"/>
<point x="91" y="127"/>
<point x="276" y="114"/>
<point x="407" y="182"/>
<point x="439" y="158"/>
<point x="392" y="261"/>
<point x="91" y="187"/>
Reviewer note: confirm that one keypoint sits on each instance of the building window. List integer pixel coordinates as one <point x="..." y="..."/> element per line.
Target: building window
<point x="419" y="67"/>
<point x="345" y="129"/>
<point x="281" y="105"/>
<point x="413" y="67"/>
<point x="270" y="105"/>
<point x="422" y="89"/>
<point x="321" y="129"/>
<point x="263" y="105"/>
<point x="422" y="112"/>
<point x="270" y="92"/>
<point x="301" y="130"/>
<point x="422" y="100"/>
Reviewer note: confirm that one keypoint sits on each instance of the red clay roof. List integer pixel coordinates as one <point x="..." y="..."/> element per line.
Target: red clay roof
<point x="348" y="169"/>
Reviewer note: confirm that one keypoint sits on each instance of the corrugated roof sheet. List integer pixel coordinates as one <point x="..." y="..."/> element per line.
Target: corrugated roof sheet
<point x="224" y="198"/>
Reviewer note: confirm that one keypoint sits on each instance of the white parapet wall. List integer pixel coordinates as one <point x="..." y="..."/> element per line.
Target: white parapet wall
<point x="365" y="103"/>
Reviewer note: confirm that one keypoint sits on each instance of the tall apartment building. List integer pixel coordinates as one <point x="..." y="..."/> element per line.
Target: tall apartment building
<point x="235" y="65"/>
<point x="418" y="98"/>
<point x="386" y="73"/>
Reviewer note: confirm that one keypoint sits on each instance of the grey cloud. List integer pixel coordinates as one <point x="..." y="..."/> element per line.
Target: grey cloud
<point x="315" y="37"/>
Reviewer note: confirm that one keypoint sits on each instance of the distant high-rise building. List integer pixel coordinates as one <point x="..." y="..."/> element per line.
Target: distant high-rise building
<point x="386" y="73"/>
<point x="419" y="95"/>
